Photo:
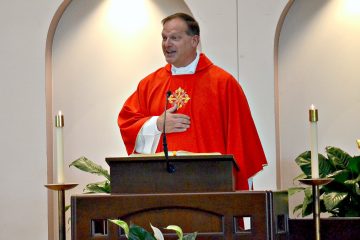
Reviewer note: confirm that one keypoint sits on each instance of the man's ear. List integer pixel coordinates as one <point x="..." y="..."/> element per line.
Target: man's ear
<point x="195" y="40"/>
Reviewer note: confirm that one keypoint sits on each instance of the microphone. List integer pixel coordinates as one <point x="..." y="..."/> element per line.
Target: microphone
<point x="169" y="167"/>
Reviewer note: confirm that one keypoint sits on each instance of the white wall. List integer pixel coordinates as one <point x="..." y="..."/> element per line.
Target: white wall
<point x="257" y="22"/>
<point x="23" y="202"/>
<point x="318" y="64"/>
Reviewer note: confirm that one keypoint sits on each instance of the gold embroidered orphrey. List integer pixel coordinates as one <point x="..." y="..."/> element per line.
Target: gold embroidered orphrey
<point x="180" y="97"/>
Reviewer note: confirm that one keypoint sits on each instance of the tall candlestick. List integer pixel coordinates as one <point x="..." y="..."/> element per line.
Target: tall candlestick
<point x="313" y="118"/>
<point x="59" y="124"/>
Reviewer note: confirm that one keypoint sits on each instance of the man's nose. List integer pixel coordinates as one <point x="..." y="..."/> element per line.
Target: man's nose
<point x="167" y="42"/>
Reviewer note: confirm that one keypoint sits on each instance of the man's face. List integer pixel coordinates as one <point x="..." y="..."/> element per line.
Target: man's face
<point x="178" y="47"/>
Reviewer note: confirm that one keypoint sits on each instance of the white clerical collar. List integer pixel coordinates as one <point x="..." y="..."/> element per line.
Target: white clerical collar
<point x="189" y="69"/>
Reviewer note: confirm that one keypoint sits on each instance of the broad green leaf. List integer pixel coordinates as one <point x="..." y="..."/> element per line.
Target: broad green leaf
<point x="87" y="165"/>
<point x="191" y="236"/>
<point x="307" y="203"/>
<point x="304" y="162"/>
<point x="338" y="157"/>
<point x="157" y="233"/>
<point x="297" y="208"/>
<point x="308" y="192"/>
<point x="301" y="176"/>
<point x="325" y="166"/>
<point x="340" y="175"/>
<point x="67" y="207"/>
<point x="357" y="189"/>
<point x="333" y="199"/>
<point x="121" y="224"/>
<point x="177" y="229"/>
<point x="353" y="181"/>
<point x="354" y="165"/>
<point x="293" y="190"/>
<point x="139" y="233"/>
<point x="99" y="187"/>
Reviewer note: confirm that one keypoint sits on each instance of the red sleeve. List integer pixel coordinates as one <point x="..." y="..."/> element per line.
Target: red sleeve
<point x="130" y="120"/>
<point x="242" y="137"/>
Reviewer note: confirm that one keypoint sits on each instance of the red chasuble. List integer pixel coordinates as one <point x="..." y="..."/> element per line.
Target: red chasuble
<point x="219" y="113"/>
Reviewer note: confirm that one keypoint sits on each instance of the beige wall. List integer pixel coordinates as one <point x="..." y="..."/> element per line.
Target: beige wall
<point x="318" y="64"/>
<point x="23" y="202"/>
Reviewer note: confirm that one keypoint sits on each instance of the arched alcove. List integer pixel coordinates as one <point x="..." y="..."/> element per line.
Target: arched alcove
<point x="318" y="64"/>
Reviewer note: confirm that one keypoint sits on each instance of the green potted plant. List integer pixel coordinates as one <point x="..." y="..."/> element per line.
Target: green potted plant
<point x="89" y="166"/>
<point x="341" y="197"/>
<point x="134" y="232"/>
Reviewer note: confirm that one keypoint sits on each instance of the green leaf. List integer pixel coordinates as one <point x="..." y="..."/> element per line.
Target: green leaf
<point x="87" y="165"/>
<point x="301" y="176"/>
<point x="293" y="190"/>
<point x="191" y="236"/>
<point x="177" y="229"/>
<point x="333" y="199"/>
<point x="138" y="233"/>
<point x="357" y="189"/>
<point x="339" y="176"/>
<point x="307" y="203"/>
<point x="325" y="166"/>
<point x="67" y="207"/>
<point x="304" y="162"/>
<point x="157" y="233"/>
<point x="99" y="187"/>
<point x="297" y="208"/>
<point x="354" y="165"/>
<point x="353" y="181"/>
<point x="308" y="192"/>
<point x="338" y="157"/>
<point x="121" y="224"/>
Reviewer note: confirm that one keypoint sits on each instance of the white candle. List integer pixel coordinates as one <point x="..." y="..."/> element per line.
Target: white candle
<point x="59" y="124"/>
<point x="313" y="118"/>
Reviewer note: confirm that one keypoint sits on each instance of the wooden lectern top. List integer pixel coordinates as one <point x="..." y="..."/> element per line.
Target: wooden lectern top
<point x="194" y="173"/>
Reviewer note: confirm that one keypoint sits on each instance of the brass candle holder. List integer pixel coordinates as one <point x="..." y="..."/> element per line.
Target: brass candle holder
<point x="61" y="188"/>
<point x="315" y="183"/>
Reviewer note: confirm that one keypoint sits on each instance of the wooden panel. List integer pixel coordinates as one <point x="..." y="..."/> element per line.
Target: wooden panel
<point x="207" y="173"/>
<point x="211" y="214"/>
<point x="279" y="211"/>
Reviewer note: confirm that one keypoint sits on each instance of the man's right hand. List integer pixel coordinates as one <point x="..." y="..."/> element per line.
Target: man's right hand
<point x="175" y="122"/>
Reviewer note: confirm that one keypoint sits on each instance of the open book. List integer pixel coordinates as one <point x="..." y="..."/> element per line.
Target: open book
<point x="173" y="153"/>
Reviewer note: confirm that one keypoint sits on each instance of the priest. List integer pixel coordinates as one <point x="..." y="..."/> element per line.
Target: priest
<point x="206" y="109"/>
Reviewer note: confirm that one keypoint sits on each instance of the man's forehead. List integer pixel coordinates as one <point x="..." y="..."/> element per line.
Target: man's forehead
<point x="172" y="32"/>
<point x="175" y="25"/>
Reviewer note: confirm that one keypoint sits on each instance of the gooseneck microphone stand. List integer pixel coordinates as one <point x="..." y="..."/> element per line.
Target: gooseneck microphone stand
<point x="169" y="167"/>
